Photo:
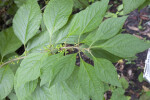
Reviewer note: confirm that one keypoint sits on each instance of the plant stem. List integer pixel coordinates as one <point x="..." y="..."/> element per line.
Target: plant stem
<point x="91" y="54"/>
<point x="91" y="44"/>
<point x="43" y="8"/>
<point x="71" y="47"/>
<point x="96" y="47"/>
<point x="25" y="52"/>
<point x="12" y="61"/>
<point x="2" y="59"/>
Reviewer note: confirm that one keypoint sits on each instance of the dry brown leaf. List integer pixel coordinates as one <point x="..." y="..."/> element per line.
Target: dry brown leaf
<point x="146" y="89"/>
<point x="133" y="28"/>
<point x="138" y="36"/>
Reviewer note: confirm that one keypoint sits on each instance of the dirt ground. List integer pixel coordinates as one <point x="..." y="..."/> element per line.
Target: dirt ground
<point x="137" y="24"/>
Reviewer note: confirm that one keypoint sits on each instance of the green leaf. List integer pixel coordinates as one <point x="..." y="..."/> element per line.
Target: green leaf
<point x="145" y="96"/>
<point x="41" y="93"/>
<point x="100" y="53"/>
<point x="29" y="69"/>
<point x="19" y="3"/>
<point x="140" y="77"/>
<point x="124" y="83"/>
<point x="6" y="81"/>
<point x="89" y="82"/>
<point x="0" y="57"/>
<point x="60" y="36"/>
<point x="27" y="21"/>
<point x="8" y="42"/>
<point x="12" y="96"/>
<point x="38" y="43"/>
<point x="43" y="27"/>
<point x="61" y="91"/>
<point x="130" y="5"/>
<point x="60" y="70"/>
<point x="146" y="3"/>
<point x="63" y="68"/>
<point x="74" y="84"/>
<point x="106" y="30"/>
<point x="56" y="14"/>
<point x="25" y="90"/>
<point x="80" y="4"/>
<point x="106" y="71"/>
<point x="118" y="93"/>
<point x="88" y="19"/>
<point x="46" y="68"/>
<point x="90" y="38"/>
<point x="124" y="45"/>
<point x="73" y="39"/>
<point x="109" y="28"/>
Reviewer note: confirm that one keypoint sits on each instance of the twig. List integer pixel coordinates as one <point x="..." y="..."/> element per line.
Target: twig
<point x="43" y="8"/>
<point x="12" y="61"/>
<point x="71" y="47"/>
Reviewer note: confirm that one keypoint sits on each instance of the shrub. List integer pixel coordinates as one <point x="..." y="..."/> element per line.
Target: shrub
<point x="48" y="70"/>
